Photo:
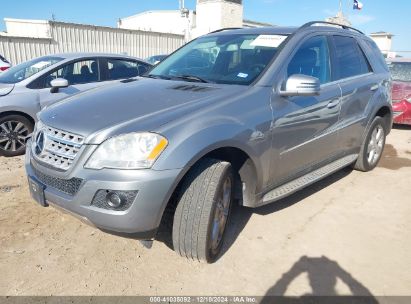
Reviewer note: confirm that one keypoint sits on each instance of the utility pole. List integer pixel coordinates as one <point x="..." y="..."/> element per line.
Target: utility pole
<point x="185" y="13"/>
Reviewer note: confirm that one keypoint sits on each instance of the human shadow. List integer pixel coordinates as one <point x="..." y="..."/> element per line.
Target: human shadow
<point x="322" y="275"/>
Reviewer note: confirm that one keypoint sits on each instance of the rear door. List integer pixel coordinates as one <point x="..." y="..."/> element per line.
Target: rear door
<point x="354" y="74"/>
<point x="304" y="132"/>
<point x="119" y="68"/>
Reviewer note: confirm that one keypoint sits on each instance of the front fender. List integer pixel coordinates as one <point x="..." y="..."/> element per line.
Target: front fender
<point x="192" y="143"/>
<point x="20" y="102"/>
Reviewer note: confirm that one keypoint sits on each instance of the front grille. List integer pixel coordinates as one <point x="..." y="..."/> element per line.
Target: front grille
<point x="68" y="186"/>
<point x="58" y="148"/>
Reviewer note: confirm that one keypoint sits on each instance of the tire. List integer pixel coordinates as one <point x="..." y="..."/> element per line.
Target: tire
<point x="201" y="208"/>
<point x="14" y="130"/>
<point x="374" y="141"/>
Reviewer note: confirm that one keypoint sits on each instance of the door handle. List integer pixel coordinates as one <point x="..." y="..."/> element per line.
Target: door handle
<point x="333" y="103"/>
<point x="375" y="87"/>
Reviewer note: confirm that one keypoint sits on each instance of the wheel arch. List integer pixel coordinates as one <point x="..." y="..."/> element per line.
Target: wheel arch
<point x="20" y="113"/>
<point x="385" y="113"/>
<point x="245" y="170"/>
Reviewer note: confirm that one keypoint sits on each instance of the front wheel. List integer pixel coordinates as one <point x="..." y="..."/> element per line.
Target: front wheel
<point x="203" y="210"/>
<point x="14" y="130"/>
<point x="372" y="147"/>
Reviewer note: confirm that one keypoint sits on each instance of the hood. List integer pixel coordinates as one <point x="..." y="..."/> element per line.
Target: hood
<point x="6" y="88"/>
<point x="401" y="90"/>
<point x="141" y="105"/>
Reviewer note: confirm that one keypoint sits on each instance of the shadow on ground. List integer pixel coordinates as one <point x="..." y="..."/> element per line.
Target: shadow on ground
<point x="241" y="215"/>
<point x="322" y="275"/>
<point x="391" y="160"/>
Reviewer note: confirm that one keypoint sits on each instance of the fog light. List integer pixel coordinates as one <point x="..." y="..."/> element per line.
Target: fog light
<point x="115" y="199"/>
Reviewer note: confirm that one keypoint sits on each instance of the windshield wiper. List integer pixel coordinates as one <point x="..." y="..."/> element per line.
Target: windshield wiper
<point x="155" y="76"/>
<point x="191" y="78"/>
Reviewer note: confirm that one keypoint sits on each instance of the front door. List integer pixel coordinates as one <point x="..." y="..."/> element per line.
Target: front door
<point x="82" y="75"/>
<point x="304" y="127"/>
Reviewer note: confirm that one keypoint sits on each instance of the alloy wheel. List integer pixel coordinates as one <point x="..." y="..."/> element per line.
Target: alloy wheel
<point x="375" y="145"/>
<point x="221" y="213"/>
<point x="13" y="135"/>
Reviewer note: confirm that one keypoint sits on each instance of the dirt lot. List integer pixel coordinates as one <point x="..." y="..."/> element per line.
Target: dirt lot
<point x="349" y="234"/>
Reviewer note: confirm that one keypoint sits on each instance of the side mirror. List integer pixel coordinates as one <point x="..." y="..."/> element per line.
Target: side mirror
<point x="57" y="84"/>
<point x="301" y="85"/>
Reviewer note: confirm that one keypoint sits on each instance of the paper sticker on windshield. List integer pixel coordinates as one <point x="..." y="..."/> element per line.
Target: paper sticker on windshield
<point x="242" y="75"/>
<point x="41" y="64"/>
<point x="272" y="41"/>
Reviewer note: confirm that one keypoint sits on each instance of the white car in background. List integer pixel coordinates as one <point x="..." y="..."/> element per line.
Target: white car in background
<point x="4" y="64"/>
<point x="27" y="88"/>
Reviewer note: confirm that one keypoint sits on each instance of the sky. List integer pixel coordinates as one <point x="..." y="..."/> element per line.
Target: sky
<point x="377" y="15"/>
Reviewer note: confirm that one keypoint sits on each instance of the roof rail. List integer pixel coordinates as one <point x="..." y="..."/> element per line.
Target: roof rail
<point x="345" y="27"/>
<point x="226" y="29"/>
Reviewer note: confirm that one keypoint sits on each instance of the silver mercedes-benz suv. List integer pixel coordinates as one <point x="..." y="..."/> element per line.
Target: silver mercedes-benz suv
<point x="246" y="116"/>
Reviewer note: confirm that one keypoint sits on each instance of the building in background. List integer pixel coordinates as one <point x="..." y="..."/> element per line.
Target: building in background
<point x="384" y="42"/>
<point x="210" y="15"/>
<point x="382" y="39"/>
<point x="340" y="18"/>
<point x="27" y="39"/>
<point x="142" y="35"/>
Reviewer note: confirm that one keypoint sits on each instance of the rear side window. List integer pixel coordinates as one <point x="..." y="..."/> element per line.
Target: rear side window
<point x="350" y="59"/>
<point x="121" y="69"/>
<point x="377" y="54"/>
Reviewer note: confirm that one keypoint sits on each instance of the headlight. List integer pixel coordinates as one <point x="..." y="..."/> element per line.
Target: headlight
<point x="129" y="151"/>
<point x="409" y="100"/>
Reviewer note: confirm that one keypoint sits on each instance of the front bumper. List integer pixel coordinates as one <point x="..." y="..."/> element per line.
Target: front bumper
<point x="141" y="220"/>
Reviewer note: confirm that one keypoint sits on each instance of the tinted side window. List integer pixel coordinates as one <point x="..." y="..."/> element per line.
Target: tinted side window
<point x="377" y="54"/>
<point x="84" y="71"/>
<point x="121" y="69"/>
<point x="350" y="60"/>
<point x="312" y="59"/>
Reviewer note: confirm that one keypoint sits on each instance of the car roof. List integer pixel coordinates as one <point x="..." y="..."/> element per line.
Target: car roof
<point x="269" y="30"/>
<point x="89" y="54"/>
<point x="287" y="30"/>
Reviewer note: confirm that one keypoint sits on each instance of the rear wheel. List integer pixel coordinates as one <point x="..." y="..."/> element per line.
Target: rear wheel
<point x="203" y="210"/>
<point x="14" y="130"/>
<point x="372" y="147"/>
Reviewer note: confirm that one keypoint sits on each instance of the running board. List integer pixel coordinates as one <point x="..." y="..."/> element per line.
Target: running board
<point x="308" y="179"/>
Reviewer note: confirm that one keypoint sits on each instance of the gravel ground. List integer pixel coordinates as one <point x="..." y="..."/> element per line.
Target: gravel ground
<point x="348" y="235"/>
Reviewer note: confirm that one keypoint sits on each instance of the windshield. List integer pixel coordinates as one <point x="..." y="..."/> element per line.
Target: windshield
<point x="228" y="59"/>
<point x="26" y="69"/>
<point x="400" y="71"/>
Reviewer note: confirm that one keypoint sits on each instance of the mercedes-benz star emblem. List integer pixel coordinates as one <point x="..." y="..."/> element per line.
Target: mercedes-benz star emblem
<point x="39" y="143"/>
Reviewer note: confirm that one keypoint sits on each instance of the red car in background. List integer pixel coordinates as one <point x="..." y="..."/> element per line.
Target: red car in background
<point x="401" y="89"/>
